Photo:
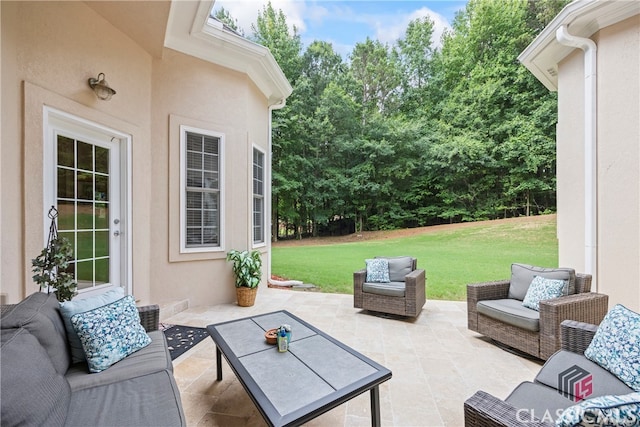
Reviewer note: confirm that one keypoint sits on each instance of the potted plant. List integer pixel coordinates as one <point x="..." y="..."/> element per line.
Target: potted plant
<point x="247" y="266"/>
<point x="50" y="268"/>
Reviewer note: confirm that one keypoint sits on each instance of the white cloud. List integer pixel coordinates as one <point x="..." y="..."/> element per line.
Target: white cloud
<point x="391" y="28"/>
<point x="315" y="13"/>
<point x="385" y="27"/>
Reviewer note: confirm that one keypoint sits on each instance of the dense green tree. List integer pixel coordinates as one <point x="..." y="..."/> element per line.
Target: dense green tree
<point x="326" y="115"/>
<point x="335" y="129"/>
<point x="408" y="135"/>
<point x="376" y="74"/>
<point x="541" y="12"/>
<point x="271" y="30"/>
<point x="415" y="52"/>
<point x="489" y="97"/>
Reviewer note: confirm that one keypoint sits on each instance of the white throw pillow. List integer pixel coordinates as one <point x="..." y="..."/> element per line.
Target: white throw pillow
<point x="542" y="289"/>
<point x="377" y="270"/>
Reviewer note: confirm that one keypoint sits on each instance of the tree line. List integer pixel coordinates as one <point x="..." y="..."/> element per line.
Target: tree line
<point x="408" y="135"/>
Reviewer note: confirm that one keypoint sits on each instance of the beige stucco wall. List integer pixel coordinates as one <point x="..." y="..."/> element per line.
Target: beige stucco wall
<point x="619" y="161"/>
<point x="618" y="154"/>
<point x="570" y="163"/>
<point x="49" y="50"/>
<point x="188" y="91"/>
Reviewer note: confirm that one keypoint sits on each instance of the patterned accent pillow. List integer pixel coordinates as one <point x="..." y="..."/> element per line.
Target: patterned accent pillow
<point x="110" y="333"/>
<point x="616" y="345"/>
<point x="69" y="308"/>
<point x="542" y="289"/>
<point x="603" y="411"/>
<point x="377" y="270"/>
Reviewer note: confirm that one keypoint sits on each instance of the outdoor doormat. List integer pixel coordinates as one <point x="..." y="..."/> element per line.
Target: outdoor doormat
<point x="182" y="338"/>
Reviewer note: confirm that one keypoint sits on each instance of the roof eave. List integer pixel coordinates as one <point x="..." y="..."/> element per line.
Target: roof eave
<point x="583" y="18"/>
<point x="193" y="32"/>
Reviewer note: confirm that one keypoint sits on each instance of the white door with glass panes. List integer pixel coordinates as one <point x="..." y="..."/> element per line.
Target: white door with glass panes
<point x="87" y="193"/>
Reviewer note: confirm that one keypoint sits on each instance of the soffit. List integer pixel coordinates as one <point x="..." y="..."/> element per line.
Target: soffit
<point x="190" y="30"/>
<point x="583" y="18"/>
<point x="144" y="22"/>
<point x="185" y="26"/>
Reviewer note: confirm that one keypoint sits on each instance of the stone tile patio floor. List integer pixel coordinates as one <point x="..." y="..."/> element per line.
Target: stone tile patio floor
<point x="436" y="362"/>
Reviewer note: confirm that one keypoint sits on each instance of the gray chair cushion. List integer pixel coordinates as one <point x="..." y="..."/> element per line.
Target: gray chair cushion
<point x="399" y="267"/>
<point x="603" y="382"/>
<point x="33" y="393"/>
<point x="510" y="311"/>
<point x="391" y="289"/>
<point x="39" y="313"/>
<point x="537" y="400"/>
<point x="523" y="274"/>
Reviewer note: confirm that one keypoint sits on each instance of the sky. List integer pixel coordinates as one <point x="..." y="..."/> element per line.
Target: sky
<point x="345" y="23"/>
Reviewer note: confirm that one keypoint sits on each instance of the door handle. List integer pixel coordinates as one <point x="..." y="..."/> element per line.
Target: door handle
<point x="116" y="233"/>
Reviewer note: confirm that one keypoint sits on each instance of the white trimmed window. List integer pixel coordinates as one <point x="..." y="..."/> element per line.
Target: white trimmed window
<point x="258" y="196"/>
<point x="201" y="188"/>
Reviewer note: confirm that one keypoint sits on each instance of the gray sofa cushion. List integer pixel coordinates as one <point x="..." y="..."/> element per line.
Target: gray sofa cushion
<point x="399" y="267"/>
<point x="139" y="390"/>
<point x="33" y="393"/>
<point x="603" y="382"/>
<point x="390" y="289"/>
<point x="150" y="400"/>
<point x="523" y="274"/>
<point x="510" y="311"/>
<point x="152" y="358"/>
<point x="39" y="313"/>
<point x="537" y="400"/>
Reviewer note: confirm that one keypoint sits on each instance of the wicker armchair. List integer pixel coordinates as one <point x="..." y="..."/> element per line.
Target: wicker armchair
<point x="485" y="410"/>
<point x="149" y="315"/>
<point x="409" y="304"/>
<point x="583" y="306"/>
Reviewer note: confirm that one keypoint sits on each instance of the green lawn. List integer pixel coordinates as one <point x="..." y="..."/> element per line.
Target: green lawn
<point x="451" y="258"/>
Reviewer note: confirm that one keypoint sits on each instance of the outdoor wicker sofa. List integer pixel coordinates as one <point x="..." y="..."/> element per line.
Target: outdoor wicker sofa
<point x="539" y="403"/>
<point x="532" y="332"/>
<point x="404" y="294"/>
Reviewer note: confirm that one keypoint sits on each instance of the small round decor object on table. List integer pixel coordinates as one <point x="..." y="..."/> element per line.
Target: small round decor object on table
<point x="271" y="336"/>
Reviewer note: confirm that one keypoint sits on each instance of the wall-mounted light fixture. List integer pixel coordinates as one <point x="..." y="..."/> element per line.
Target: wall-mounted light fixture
<point x="101" y="87"/>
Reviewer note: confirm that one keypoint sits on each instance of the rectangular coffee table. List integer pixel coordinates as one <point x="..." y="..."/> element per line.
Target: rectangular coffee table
<point x="317" y="374"/>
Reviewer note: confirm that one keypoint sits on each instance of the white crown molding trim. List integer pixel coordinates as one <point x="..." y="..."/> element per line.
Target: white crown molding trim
<point x="583" y="18"/>
<point x="190" y="30"/>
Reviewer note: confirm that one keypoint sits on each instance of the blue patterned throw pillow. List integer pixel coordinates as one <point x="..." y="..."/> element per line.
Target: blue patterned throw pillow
<point x="110" y="333"/>
<point x="377" y="270"/>
<point x="616" y="345"/>
<point x="542" y="289"/>
<point x="69" y="308"/>
<point x="622" y="411"/>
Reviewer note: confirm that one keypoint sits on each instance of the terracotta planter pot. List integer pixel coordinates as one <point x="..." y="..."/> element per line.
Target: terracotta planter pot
<point x="246" y="296"/>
